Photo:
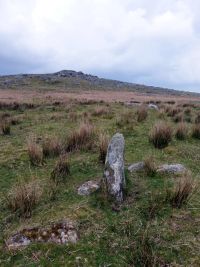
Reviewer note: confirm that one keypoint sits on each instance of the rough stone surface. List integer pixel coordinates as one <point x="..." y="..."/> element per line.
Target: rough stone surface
<point x="88" y="188"/>
<point x="60" y="233"/>
<point x="172" y="168"/>
<point x="153" y="106"/>
<point x="136" y="166"/>
<point x="114" y="168"/>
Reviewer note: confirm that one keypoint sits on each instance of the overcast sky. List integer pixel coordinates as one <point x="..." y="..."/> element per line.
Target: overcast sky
<point x="155" y="42"/>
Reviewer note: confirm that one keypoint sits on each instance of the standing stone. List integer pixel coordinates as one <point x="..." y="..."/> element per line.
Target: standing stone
<point x="114" y="177"/>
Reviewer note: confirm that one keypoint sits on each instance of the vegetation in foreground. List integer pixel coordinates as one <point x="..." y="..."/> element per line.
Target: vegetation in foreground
<point x="52" y="150"/>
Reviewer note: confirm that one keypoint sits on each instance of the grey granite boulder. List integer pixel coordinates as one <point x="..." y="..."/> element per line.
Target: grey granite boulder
<point x="171" y="168"/>
<point x="136" y="166"/>
<point x="88" y="188"/>
<point x="114" y="177"/>
<point x="153" y="106"/>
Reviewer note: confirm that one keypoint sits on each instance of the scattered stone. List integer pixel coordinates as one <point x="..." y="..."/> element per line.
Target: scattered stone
<point x="153" y="106"/>
<point x="88" y="188"/>
<point x="114" y="177"/>
<point x="60" y="233"/>
<point x="136" y="167"/>
<point x="171" y="168"/>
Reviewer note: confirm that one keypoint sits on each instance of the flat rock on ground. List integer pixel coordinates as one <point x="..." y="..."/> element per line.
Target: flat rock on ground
<point x="88" y="188"/>
<point x="60" y="233"/>
<point x="165" y="168"/>
<point x="136" y="166"/>
<point x="171" y="168"/>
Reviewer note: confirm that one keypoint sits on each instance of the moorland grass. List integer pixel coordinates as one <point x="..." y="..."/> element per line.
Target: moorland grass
<point x="140" y="232"/>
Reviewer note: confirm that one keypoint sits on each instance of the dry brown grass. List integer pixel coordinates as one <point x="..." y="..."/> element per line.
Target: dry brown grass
<point x="35" y="153"/>
<point x="103" y="146"/>
<point x="82" y="138"/>
<point x="150" y="166"/>
<point x="188" y="111"/>
<point x="161" y="114"/>
<point x="16" y="105"/>
<point x="197" y="119"/>
<point x="73" y="116"/>
<point x="15" y="120"/>
<point x="160" y="135"/>
<point x="167" y="108"/>
<point x="61" y="170"/>
<point x="5" y="126"/>
<point x="99" y="111"/>
<point x="178" y="118"/>
<point x="51" y="146"/>
<point x="181" y="192"/>
<point x="142" y="113"/>
<point x="181" y="131"/>
<point x="86" y="117"/>
<point x="173" y="111"/>
<point x="23" y="197"/>
<point x="90" y="96"/>
<point x="125" y="118"/>
<point x="196" y="131"/>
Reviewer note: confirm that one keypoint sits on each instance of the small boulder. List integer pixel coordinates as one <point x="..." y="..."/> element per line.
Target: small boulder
<point x="153" y="106"/>
<point x="88" y="188"/>
<point x="136" y="166"/>
<point x="171" y="168"/>
<point x="114" y="177"/>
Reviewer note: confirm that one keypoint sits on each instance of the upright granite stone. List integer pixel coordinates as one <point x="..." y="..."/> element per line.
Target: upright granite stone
<point x="114" y="178"/>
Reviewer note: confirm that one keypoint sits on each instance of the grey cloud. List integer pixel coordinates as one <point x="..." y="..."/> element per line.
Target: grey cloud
<point x="154" y="42"/>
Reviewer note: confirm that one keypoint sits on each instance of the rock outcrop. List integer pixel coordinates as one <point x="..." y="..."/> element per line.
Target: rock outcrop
<point x="114" y="177"/>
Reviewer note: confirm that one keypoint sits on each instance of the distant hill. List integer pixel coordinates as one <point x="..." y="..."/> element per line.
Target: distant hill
<point x="71" y="80"/>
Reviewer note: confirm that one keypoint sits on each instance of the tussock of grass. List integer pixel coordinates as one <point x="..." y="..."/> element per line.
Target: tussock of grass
<point x="23" y="197"/>
<point x="73" y="116"/>
<point x="172" y="111"/>
<point x="99" y="111"/>
<point x="61" y="170"/>
<point x="160" y="135"/>
<point x="5" y="126"/>
<point x="51" y="146"/>
<point x="196" y="131"/>
<point x="181" y="192"/>
<point x="188" y="111"/>
<point x="197" y="119"/>
<point x="82" y="138"/>
<point x="103" y="146"/>
<point x="181" y="131"/>
<point x="145" y="250"/>
<point x="35" y="153"/>
<point x="179" y="118"/>
<point x="125" y="118"/>
<point x="150" y="166"/>
<point x="142" y="113"/>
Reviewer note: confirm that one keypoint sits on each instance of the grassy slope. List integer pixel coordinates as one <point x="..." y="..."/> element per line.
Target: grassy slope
<point x="108" y="238"/>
